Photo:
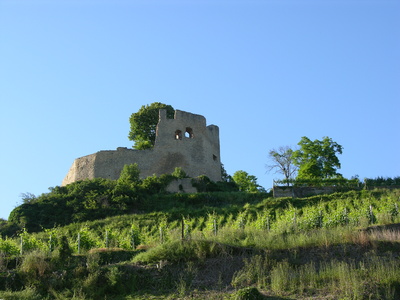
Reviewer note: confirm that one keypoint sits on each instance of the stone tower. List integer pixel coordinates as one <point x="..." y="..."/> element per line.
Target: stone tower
<point x="184" y="141"/>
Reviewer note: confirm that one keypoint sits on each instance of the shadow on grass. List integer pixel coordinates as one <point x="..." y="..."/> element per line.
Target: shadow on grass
<point x="277" y="298"/>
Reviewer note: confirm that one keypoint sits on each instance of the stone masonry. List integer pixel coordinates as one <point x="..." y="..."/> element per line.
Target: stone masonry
<point x="184" y="141"/>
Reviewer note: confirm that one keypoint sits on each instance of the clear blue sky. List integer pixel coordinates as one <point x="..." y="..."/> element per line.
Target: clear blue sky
<point x="266" y="72"/>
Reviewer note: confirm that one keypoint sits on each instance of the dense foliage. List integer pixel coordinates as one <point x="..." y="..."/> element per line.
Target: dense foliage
<point x="246" y="182"/>
<point x="382" y="181"/>
<point x="143" y="124"/>
<point x="317" y="159"/>
<point x="273" y="237"/>
<point x="99" y="198"/>
<point x="353" y="183"/>
<point x="210" y="213"/>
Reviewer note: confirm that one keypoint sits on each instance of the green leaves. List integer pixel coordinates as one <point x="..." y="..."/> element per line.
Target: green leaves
<point x="246" y="182"/>
<point x="9" y="247"/>
<point x="144" y="124"/>
<point x="317" y="159"/>
<point x="179" y="173"/>
<point x="129" y="175"/>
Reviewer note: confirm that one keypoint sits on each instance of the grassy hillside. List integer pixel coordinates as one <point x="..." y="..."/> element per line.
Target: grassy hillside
<point x="213" y="245"/>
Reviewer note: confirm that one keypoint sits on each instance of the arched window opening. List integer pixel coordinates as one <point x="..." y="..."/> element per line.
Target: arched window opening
<point x="214" y="157"/>
<point x="178" y="135"/>
<point x="189" y="133"/>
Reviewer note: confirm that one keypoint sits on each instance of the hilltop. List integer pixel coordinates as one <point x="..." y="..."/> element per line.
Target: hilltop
<point x="211" y="245"/>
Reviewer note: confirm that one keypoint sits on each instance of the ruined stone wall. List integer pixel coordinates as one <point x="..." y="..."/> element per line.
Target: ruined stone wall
<point x="187" y="142"/>
<point x="81" y="168"/>
<point x="184" y="141"/>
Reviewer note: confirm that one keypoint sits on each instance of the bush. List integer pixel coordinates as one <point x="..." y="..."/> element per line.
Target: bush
<point x="35" y="268"/>
<point x="26" y="294"/>
<point x="203" y="184"/>
<point x="180" y="251"/>
<point x="64" y="249"/>
<point x="9" y="247"/>
<point x="8" y="228"/>
<point x="179" y="173"/>
<point x="255" y="271"/>
<point x="249" y="293"/>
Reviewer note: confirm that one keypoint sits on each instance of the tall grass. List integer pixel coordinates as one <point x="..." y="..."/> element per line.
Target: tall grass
<point x="27" y="294"/>
<point x="372" y="278"/>
<point x="324" y="237"/>
<point x="182" y="251"/>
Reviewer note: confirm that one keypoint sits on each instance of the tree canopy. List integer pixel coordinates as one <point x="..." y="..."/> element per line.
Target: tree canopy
<point x="246" y="182"/>
<point x="317" y="159"/>
<point x="143" y="124"/>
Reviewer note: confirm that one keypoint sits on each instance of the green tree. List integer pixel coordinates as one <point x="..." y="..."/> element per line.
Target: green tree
<point x="144" y="123"/>
<point x="317" y="159"/>
<point x="179" y="173"/>
<point x="28" y="198"/>
<point x="130" y="174"/>
<point x="282" y="161"/>
<point x="246" y="182"/>
<point x="225" y="177"/>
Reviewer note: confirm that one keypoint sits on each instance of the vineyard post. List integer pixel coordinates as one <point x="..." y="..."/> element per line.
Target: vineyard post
<point x="320" y="219"/>
<point x="106" y="238"/>
<point x="22" y="244"/>
<point x="346" y="217"/>
<point x="242" y="221"/>
<point x="372" y="218"/>
<point x="294" y="220"/>
<point x="79" y="242"/>
<point x="50" y="243"/>
<point x="182" y="229"/>
<point x="133" y="239"/>
<point x="161" y="235"/>
<point x="370" y="213"/>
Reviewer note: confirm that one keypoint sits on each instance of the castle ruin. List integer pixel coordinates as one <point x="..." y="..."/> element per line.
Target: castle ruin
<point x="184" y="141"/>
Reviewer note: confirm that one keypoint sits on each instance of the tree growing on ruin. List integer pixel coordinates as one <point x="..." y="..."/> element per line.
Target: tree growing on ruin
<point x="143" y="124"/>
<point x="281" y="160"/>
